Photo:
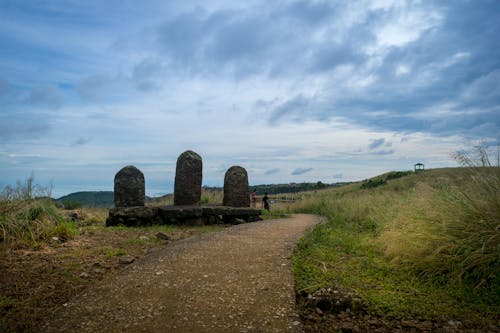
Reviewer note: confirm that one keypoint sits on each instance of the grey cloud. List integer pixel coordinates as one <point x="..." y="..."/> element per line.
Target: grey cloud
<point x="296" y="107"/>
<point x="14" y="127"/>
<point x="301" y="171"/>
<point x="80" y="142"/>
<point x="95" y="88"/>
<point x="311" y="12"/>
<point x="45" y="96"/>
<point x="338" y="176"/>
<point x="376" y="143"/>
<point x="273" y="40"/>
<point x="272" y="171"/>
<point x="383" y="152"/>
<point x="148" y="74"/>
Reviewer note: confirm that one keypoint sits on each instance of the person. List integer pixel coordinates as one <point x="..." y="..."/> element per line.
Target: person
<point x="254" y="198"/>
<point x="265" y="201"/>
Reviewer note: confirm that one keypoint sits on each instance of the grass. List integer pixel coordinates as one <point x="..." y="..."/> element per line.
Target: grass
<point x="30" y="221"/>
<point x="424" y="245"/>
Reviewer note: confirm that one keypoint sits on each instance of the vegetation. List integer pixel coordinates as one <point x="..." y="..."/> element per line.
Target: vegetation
<point x="422" y="246"/>
<point x="382" y="179"/>
<point x="87" y="199"/>
<point x="28" y="215"/>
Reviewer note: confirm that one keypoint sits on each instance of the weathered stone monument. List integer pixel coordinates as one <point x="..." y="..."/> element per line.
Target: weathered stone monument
<point x="129" y="187"/>
<point x="236" y="187"/>
<point x="188" y="176"/>
<point x="130" y="196"/>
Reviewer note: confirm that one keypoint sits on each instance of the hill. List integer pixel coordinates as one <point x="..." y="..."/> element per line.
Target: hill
<point x="99" y="199"/>
<point x="105" y="199"/>
<point x="404" y="246"/>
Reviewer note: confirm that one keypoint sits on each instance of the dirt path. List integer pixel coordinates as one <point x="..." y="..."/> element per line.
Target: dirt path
<point x="237" y="280"/>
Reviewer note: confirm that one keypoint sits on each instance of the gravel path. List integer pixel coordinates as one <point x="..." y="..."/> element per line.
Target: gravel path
<point x="237" y="280"/>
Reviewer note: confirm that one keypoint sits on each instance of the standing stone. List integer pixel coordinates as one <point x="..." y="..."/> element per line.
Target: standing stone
<point x="129" y="187"/>
<point x="236" y="187"/>
<point x="188" y="174"/>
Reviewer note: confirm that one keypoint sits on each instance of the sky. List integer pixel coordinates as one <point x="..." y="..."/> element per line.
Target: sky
<point x="293" y="91"/>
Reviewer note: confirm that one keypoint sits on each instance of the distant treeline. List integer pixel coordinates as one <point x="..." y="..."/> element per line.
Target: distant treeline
<point x="286" y="188"/>
<point x="105" y="199"/>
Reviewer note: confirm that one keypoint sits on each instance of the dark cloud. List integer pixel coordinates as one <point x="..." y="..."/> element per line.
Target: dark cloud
<point x="300" y="171"/>
<point x="274" y="40"/>
<point x="451" y="62"/>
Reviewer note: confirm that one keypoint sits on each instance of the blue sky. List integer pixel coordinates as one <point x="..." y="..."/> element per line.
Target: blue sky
<point x="291" y="90"/>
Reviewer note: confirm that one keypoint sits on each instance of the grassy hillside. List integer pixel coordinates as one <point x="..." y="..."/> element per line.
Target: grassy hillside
<point x="424" y="245"/>
<point x="88" y="199"/>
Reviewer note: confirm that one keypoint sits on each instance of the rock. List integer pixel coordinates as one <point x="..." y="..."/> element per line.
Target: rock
<point x="129" y="187"/>
<point x="133" y="216"/>
<point x="126" y="260"/>
<point x="84" y="275"/>
<point x="238" y="221"/>
<point x="188" y="177"/>
<point x="75" y="215"/>
<point x="236" y="187"/>
<point x="161" y="235"/>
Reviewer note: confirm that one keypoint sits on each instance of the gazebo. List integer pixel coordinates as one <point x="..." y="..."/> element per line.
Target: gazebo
<point x="419" y="167"/>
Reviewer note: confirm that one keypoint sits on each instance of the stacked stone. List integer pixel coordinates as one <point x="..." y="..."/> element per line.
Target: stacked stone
<point x="236" y="187"/>
<point x="188" y="177"/>
<point x="129" y="187"/>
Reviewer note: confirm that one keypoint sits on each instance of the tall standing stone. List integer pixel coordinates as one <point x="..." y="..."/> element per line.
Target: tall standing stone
<point x="129" y="187"/>
<point x="188" y="175"/>
<point x="236" y="187"/>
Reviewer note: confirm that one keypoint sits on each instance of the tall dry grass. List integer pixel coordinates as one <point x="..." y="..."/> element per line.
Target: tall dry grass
<point x="440" y="227"/>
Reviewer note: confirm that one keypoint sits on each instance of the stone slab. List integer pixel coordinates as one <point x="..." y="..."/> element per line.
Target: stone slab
<point x="186" y="215"/>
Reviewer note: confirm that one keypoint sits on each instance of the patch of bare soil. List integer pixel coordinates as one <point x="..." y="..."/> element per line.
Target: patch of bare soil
<point x="236" y="280"/>
<point x="35" y="282"/>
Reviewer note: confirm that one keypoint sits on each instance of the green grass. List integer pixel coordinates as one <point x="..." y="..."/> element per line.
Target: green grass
<point x="31" y="221"/>
<point x="421" y="246"/>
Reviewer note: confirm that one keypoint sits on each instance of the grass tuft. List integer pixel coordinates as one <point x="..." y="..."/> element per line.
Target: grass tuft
<point x="33" y="220"/>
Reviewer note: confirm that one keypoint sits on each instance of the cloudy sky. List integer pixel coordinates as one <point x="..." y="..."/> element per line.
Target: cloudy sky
<point x="291" y="90"/>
